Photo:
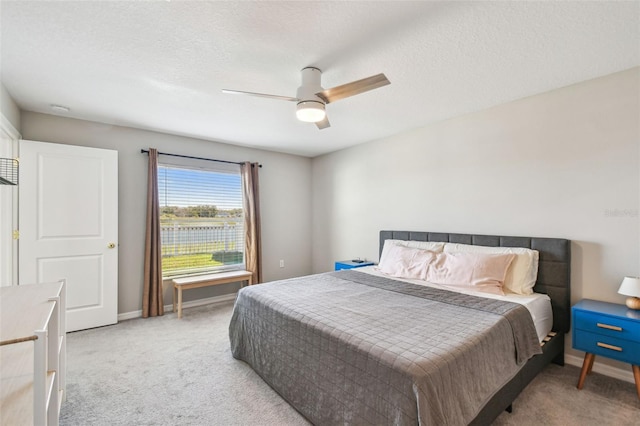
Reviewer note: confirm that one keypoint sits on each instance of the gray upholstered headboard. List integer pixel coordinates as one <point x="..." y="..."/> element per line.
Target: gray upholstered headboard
<point x="554" y="269"/>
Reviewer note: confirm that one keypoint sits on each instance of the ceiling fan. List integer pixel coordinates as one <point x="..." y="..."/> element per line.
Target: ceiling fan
<point x="311" y="98"/>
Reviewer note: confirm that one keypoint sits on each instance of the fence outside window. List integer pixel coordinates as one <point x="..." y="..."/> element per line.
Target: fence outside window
<point x="200" y="247"/>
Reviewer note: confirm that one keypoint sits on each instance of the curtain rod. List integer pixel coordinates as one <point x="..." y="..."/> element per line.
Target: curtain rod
<point x="145" y="151"/>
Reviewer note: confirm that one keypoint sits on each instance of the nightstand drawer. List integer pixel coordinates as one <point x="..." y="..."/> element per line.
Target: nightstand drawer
<point x="607" y="325"/>
<point x="610" y="347"/>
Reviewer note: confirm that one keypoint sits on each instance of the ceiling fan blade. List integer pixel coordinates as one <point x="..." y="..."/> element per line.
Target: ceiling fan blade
<point x="353" y="88"/>
<point x="262" y="95"/>
<point x="324" y="123"/>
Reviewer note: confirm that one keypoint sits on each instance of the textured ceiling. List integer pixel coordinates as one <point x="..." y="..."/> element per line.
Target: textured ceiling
<point x="162" y="65"/>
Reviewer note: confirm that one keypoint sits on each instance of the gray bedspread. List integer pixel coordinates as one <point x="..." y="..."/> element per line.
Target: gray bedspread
<point x="352" y="348"/>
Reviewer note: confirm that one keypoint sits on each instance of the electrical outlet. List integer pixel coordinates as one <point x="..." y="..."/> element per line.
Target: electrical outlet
<point x="281" y="263"/>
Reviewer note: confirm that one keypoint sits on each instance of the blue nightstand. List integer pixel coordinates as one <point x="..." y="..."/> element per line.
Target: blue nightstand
<point x="609" y="330"/>
<point x="350" y="264"/>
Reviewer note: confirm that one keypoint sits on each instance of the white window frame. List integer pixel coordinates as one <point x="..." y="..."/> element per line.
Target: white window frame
<point x="207" y="166"/>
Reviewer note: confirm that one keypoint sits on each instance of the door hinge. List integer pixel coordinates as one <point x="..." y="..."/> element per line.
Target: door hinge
<point x="16" y="234"/>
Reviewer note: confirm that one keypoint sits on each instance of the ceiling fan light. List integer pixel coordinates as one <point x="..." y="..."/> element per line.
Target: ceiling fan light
<point x="310" y="111"/>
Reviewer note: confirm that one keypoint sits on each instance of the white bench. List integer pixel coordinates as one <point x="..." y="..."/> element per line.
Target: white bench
<point x="198" y="281"/>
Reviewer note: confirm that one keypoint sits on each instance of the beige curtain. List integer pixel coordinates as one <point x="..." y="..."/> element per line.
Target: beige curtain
<point x="152" y="303"/>
<point x="252" y="240"/>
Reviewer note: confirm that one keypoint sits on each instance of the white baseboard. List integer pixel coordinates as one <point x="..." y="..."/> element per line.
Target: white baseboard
<point x="603" y="369"/>
<point x="207" y="301"/>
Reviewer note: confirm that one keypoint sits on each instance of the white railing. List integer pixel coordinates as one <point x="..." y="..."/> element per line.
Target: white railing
<point x="184" y="239"/>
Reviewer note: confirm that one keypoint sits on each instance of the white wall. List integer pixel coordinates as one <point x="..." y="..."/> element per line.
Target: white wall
<point x="285" y="183"/>
<point x="8" y="108"/>
<point x="561" y="164"/>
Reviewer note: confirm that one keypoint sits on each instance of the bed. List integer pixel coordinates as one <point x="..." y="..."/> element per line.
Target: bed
<point x="349" y="347"/>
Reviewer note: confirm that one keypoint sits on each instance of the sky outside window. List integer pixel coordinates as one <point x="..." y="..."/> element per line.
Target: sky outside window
<point x="188" y="187"/>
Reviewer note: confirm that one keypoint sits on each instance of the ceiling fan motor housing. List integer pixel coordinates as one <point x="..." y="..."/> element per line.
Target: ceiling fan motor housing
<point x="310" y="85"/>
<point x="310" y="107"/>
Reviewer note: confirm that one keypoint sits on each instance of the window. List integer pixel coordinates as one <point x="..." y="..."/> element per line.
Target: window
<point x="201" y="218"/>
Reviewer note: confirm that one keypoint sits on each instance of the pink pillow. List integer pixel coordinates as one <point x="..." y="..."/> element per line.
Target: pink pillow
<point x="477" y="271"/>
<point x="406" y="262"/>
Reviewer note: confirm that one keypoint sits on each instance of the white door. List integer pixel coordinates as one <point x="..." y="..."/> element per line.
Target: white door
<point x="68" y="217"/>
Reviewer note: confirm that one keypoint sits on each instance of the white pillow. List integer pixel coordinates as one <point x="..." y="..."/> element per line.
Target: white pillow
<point x="424" y="245"/>
<point x="406" y="262"/>
<point x="476" y="271"/>
<point x="523" y="272"/>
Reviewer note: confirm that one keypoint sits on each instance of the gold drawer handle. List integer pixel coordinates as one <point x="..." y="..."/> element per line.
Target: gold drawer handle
<point x="609" y="327"/>
<point x="606" y="346"/>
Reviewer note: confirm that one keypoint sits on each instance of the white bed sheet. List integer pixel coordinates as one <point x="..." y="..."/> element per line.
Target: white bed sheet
<point x="539" y="305"/>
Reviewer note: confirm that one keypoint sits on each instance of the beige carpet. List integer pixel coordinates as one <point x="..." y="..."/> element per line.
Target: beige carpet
<point x="165" y="371"/>
<point x="552" y="399"/>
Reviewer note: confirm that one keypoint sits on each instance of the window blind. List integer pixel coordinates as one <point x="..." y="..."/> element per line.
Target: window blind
<point x="201" y="219"/>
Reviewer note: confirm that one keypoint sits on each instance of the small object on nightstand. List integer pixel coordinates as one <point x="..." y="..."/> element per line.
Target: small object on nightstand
<point x="350" y="264"/>
<point x="631" y="287"/>
<point x="609" y="330"/>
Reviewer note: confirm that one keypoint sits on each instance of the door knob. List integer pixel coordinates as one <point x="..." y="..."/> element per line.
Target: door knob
<point x="112" y="245"/>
